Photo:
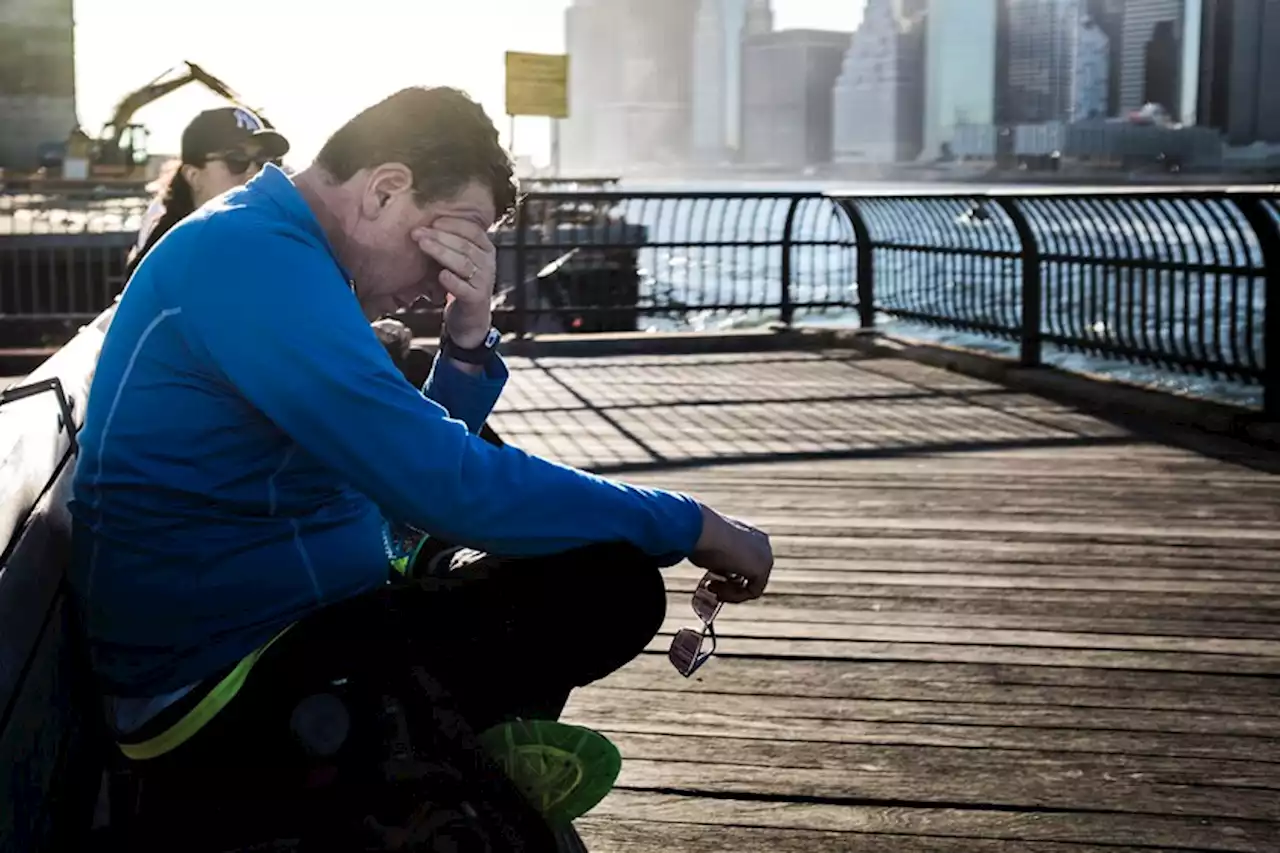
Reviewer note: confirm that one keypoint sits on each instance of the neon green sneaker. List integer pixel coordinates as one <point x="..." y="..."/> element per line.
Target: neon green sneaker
<point x="564" y="770"/>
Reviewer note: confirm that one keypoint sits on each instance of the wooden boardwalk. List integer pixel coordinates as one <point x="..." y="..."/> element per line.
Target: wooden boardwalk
<point x="995" y="624"/>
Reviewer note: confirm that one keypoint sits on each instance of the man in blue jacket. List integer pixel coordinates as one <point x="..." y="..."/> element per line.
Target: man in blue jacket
<point x="250" y="454"/>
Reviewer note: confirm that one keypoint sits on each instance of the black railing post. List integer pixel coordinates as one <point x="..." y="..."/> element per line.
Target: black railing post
<point x="866" y="270"/>
<point x="521" y="278"/>
<point x="1265" y="229"/>
<point x="1029" y="341"/>
<point x="786" y="303"/>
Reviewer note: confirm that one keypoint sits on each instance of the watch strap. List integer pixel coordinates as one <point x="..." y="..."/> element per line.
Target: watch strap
<point x="476" y="355"/>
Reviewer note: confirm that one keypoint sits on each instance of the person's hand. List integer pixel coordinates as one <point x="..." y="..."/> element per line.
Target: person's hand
<point x="469" y="266"/>
<point x="735" y="551"/>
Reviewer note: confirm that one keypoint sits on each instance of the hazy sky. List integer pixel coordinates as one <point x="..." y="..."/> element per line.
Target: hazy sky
<point x="310" y="64"/>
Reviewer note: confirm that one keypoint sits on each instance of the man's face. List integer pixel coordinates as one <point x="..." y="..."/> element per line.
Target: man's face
<point x="389" y="269"/>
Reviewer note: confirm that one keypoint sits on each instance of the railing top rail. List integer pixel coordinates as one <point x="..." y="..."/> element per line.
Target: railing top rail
<point x="660" y="195"/>
<point x="923" y="192"/>
<point x="1181" y="191"/>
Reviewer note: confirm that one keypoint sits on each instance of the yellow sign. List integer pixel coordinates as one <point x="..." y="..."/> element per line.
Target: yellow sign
<point x="538" y="84"/>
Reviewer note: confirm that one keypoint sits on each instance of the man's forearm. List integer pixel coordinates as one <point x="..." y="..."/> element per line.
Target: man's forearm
<point x="466" y="394"/>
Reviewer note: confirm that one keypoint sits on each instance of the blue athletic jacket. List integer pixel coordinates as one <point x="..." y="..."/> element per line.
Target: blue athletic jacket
<point x="246" y="436"/>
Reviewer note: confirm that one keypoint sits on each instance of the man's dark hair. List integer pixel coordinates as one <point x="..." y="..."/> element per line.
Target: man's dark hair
<point x="441" y="134"/>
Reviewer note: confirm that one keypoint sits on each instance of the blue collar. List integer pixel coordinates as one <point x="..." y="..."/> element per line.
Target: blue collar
<point x="275" y="185"/>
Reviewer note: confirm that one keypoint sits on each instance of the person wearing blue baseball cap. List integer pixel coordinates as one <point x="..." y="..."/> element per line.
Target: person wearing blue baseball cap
<point x="222" y="148"/>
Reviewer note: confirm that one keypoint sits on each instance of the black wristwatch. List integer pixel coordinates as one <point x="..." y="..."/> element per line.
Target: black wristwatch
<point x="476" y="355"/>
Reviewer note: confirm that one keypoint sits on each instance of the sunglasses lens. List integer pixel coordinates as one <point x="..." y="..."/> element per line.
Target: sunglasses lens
<point x="705" y="604"/>
<point x="685" y="653"/>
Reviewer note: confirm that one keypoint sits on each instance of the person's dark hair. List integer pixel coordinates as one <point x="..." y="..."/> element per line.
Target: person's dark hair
<point x="441" y="134"/>
<point x="179" y="200"/>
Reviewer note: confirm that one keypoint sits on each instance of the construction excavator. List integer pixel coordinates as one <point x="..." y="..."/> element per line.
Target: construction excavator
<point x="120" y="155"/>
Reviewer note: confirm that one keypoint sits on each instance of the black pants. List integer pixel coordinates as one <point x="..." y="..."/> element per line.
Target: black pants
<point x="506" y="637"/>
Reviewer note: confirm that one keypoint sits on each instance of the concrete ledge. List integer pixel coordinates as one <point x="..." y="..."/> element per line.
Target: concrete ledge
<point x="668" y="343"/>
<point x="1140" y="407"/>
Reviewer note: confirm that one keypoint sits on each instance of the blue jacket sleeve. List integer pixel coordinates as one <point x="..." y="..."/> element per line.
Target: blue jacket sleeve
<point x="278" y="322"/>
<point x="467" y="398"/>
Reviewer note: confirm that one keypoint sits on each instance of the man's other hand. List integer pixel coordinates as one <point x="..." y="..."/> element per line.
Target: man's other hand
<point x="737" y="552"/>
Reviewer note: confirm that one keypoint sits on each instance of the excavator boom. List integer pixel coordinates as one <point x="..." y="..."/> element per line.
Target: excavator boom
<point x="156" y="89"/>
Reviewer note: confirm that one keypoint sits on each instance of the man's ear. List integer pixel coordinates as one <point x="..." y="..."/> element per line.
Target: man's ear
<point x="386" y="183"/>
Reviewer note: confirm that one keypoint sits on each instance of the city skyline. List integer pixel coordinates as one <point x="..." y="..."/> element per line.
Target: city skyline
<point x="657" y="85"/>
<point x="299" y="84"/>
<point x="1006" y="83"/>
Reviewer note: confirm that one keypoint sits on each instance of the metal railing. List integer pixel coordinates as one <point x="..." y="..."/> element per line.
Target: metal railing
<point x="1176" y="280"/>
<point x="1170" y="279"/>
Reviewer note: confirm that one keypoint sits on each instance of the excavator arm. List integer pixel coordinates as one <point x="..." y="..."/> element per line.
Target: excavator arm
<point x="113" y="131"/>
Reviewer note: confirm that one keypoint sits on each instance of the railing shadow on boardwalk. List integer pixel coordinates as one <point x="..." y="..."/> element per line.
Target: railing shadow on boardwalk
<point x="623" y="415"/>
<point x="563" y="402"/>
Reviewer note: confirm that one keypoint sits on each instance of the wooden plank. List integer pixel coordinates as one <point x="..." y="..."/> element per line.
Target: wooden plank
<point x="869" y="491"/>
<point x="854" y="575"/>
<point x="904" y="651"/>
<point x="986" y="599"/>
<point x="909" y="612"/>
<point x="868" y="823"/>
<point x="942" y="710"/>
<point x="992" y="604"/>
<point x="1032" y="790"/>
<point x="626" y="836"/>
<point x="932" y="683"/>
<point x="652" y="718"/>
<point x="927" y="547"/>
<point x="922" y="774"/>
<point x="735" y="623"/>
<point x="1232" y="572"/>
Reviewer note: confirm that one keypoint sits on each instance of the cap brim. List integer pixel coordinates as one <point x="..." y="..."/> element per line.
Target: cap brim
<point x="273" y="144"/>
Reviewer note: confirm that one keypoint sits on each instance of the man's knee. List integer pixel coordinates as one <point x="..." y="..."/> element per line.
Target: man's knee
<point x="633" y="594"/>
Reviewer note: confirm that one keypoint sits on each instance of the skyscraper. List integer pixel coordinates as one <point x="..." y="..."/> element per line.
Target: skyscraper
<point x="1054" y="63"/>
<point x="878" y="101"/>
<point x="631" y="84"/>
<point x="1090" y="71"/>
<point x="1239" y="62"/>
<point x="759" y="18"/>
<point x="787" y="79"/>
<point x="1151" y="54"/>
<point x="960" y="69"/>
<point x="592" y="74"/>
<point x="717" y="78"/>
<point x="37" y="78"/>
<point x="1109" y="16"/>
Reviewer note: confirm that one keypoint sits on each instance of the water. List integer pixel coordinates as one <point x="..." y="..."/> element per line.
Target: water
<point x="1200" y="295"/>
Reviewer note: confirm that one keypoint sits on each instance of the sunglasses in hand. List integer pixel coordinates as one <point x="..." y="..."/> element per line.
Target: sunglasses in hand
<point x="687" y="653"/>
